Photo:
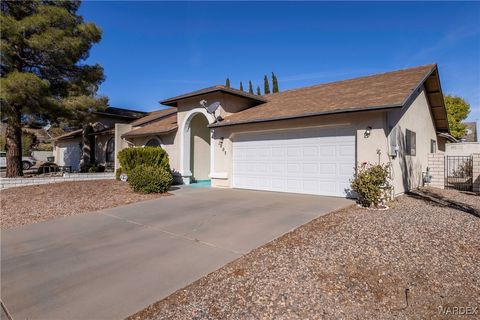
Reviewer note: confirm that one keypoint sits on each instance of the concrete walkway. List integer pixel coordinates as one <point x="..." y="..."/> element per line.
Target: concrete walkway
<point x="111" y="264"/>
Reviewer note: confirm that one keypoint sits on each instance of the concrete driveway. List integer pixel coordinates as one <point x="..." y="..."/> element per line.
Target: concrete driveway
<point x="113" y="263"/>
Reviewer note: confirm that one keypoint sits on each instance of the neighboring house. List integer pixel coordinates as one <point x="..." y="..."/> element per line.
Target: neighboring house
<point x="306" y="140"/>
<point x="471" y="133"/>
<point x="68" y="147"/>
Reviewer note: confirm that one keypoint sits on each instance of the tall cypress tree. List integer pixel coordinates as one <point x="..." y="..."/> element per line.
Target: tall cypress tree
<point x="227" y="83"/>
<point x="250" y="87"/>
<point x="258" y="91"/>
<point x="241" y="85"/>
<point x="274" y="83"/>
<point x="266" y="85"/>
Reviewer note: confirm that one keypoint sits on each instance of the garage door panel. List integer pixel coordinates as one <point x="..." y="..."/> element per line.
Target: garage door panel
<point x="310" y="168"/>
<point x="313" y="161"/>
<point x="328" y="150"/>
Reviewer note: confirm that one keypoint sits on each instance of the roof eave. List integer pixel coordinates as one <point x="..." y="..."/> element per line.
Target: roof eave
<point x="308" y="115"/>
<point x="146" y="134"/>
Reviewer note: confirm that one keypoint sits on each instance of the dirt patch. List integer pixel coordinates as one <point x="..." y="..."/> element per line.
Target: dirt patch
<point x="30" y="204"/>
<point x="403" y="263"/>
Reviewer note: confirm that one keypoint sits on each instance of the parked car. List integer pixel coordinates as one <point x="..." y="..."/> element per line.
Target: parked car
<point x="27" y="162"/>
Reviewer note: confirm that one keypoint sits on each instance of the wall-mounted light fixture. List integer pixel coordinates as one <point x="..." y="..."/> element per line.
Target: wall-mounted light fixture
<point x="367" y="132"/>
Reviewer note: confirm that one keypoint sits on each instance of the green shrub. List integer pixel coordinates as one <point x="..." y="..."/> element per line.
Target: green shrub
<point x="149" y="179"/>
<point x="91" y="168"/>
<point x="47" y="167"/>
<point x="87" y="167"/>
<point x="44" y="147"/>
<point x="130" y="158"/>
<point x="371" y="184"/>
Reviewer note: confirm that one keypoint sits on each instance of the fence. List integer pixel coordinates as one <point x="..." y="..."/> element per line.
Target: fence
<point x="20" y="182"/>
<point x="457" y="172"/>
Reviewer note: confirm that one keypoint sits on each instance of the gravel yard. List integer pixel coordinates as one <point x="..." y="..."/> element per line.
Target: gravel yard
<point x="403" y="263"/>
<point x="30" y="204"/>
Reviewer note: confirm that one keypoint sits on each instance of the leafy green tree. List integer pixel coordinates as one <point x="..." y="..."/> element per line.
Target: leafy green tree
<point x="274" y="83"/>
<point x="241" y="85"/>
<point x="258" y="91"/>
<point x="227" y="83"/>
<point x="266" y="85"/>
<point x="457" y="111"/>
<point x="250" y="87"/>
<point x="43" y="45"/>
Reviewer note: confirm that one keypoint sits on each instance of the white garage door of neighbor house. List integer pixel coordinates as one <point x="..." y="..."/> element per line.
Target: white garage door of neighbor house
<point x="70" y="155"/>
<point x="317" y="161"/>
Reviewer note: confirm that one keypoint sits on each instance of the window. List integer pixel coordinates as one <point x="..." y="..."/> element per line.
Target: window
<point x="411" y="143"/>
<point x="433" y="146"/>
<point x="110" y="150"/>
<point x="152" y="143"/>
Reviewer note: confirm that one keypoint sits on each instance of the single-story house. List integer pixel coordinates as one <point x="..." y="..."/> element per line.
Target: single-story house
<point x="96" y="139"/>
<point x="306" y="140"/>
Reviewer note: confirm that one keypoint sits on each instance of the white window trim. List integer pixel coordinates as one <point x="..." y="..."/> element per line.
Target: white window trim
<point x="153" y="138"/>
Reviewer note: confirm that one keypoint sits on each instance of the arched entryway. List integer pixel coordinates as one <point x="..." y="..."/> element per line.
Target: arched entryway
<point x="196" y="147"/>
<point x="199" y="148"/>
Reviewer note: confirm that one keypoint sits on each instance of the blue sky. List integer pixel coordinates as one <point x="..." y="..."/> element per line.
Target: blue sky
<point x="155" y="50"/>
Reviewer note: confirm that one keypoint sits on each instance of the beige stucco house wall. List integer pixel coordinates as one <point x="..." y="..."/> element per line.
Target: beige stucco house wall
<point x="407" y="170"/>
<point x="120" y="143"/>
<point x="356" y="122"/>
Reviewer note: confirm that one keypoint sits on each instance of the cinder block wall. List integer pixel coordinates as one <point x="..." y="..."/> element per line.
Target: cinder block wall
<point x="476" y="172"/>
<point x="436" y="164"/>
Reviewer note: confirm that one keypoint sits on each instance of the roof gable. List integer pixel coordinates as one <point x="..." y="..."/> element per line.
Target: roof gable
<point x="219" y="88"/>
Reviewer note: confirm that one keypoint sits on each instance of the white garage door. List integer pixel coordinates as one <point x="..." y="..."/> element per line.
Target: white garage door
<point x="313" y="161"/>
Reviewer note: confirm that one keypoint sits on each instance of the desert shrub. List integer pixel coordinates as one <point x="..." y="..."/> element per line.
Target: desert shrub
<point x="44" y="147"/>
<point x="47" y="167"/>
<point x="131" y="158"/>
<point x="87" y="167"/>
<point x="371" y="184"/>
<point x="464" y="169"/>
<point x="149" y="179"/>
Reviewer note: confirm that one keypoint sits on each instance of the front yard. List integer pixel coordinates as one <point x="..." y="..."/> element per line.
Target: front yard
<point x="403" y="263"/>
<point x="30" y="204"/>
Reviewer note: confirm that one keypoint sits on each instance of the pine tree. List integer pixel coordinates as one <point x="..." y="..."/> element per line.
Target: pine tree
<point x="227" y="83"/>
<point x="250" y="87"/>
<point x="241" y="86"/>
<point x="43" y="74"/>
<point x="274" y="83"/>
<point x="266" y="85"/>
<point x="258" y="91"/>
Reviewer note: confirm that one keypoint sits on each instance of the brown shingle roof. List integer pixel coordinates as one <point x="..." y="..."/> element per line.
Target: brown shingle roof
<point x="69" y="135"/>
<point x="173" y="101"/>
<point x="121" y="113"/>
<point x="162" y="126"/>
<point x="386" y="90"/>
<point x="153" y="116"/>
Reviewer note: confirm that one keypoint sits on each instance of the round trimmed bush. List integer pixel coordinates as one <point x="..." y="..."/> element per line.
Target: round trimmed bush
<point x="149" y="179"/>
<point x="130" y="158"/>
